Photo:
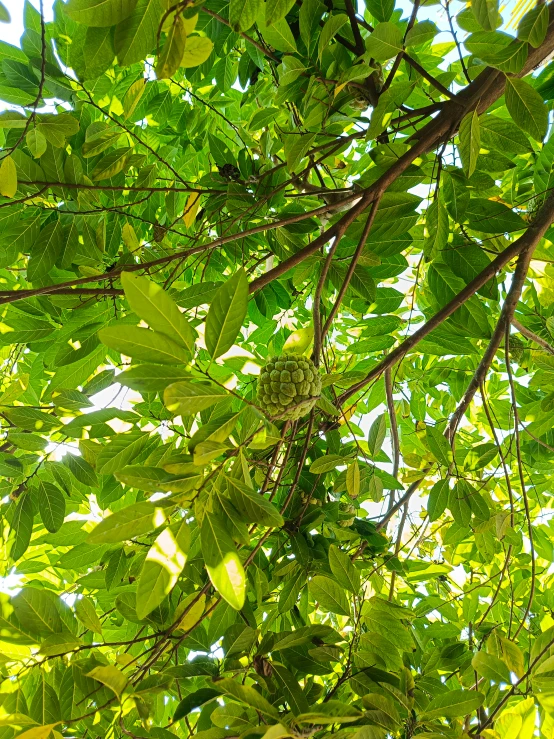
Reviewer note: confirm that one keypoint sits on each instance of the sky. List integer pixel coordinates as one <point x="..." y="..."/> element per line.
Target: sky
<point x="11" y="32"/>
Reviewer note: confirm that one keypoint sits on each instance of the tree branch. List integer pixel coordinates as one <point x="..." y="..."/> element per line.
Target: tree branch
<point x="532" y="336"/>
<point x="360" y="45"/>
<point x="506" y="315"/>
<point x="529" y="240"/>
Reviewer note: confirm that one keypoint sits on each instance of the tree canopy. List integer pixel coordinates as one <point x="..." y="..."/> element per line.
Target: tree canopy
<point x="210" y="208"/>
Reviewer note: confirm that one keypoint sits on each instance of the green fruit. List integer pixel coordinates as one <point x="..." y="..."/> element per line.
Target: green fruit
<point x="289" y="386"/>
<point x="517" y="347"/>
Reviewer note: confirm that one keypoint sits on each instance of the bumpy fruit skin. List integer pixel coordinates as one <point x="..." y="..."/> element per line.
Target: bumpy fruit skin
<point x="289" y="386"/>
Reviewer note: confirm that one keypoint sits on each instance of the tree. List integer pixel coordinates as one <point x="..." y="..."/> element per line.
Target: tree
<point x="193" y="191"/>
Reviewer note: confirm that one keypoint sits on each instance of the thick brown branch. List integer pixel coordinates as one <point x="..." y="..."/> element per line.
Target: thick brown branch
<point x="429" y="77"/>
<point x="11" y="296"/>
<point x="117" y="188"/>
<point x="506" y="315"/>
<point x="395" y="439"/>
<point x="403" y="500"/>
<point x="350" y="11"/>
<point x="529" y="240"/>
<point x="532" y="336"/>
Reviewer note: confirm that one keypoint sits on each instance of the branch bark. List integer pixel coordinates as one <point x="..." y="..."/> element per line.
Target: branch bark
<point x="506" y="315"/>
<point x="529" y="240"/>
<point x="532" y="336"/>
<point x="479" y="95"/>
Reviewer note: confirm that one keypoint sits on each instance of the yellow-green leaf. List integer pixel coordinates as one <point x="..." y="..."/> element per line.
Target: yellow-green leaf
<point x="133" y="97"/>
<point x="163" y="565"/>
<point x="173" y="50"/>
<point x="222" y="561"/>
<point x="86" y="613"/>
<point x="226" y="314"/>
<point x="151" y="303"/>
<point x="191" y="208"/>
<point x="8" y="177"/>
<point x="111" y="677"/>
<point x="197" y="50"/>
<point x="135" y="520"/>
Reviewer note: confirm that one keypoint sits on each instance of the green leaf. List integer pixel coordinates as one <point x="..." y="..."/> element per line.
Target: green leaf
<point x="194" y="700"/>
<point x="458" y="503"/>
<point x="326" y="464"/>
<point x="439" y="446"/>
<point x="421" y="33"/>
<point x="36" y="611"/>
<point x="242" y="15"/>
<point x="110" y="165"/>
<point x="222" y="561"/>
<point x="278" y="35"/>
<point x="163" y="565"/>
<point x="171" y="55"/>
<point x="487" y="43"/>
<point x="330" y="29"/>
<point x="120" y="452"/>
<point x="353" y="479"/>
<point x="155" y="479"/>
<point x="501" y="134"/>
<point x="534" y="25"/>
<point x="98" y="52"/>
<point x="275" y="10"/>
<point x="252" y="506"/>
<point x="152" y="377"/>
<point x="86" y="613"/>
<point x="99" y="12"/>
<point x="296" y="148"/>
<point x="309" y="16"/>
<point x="488" y="216"/>
<point x="332" y="712"/>
<point x="134" y="520"/>
<point x="151" y="303"/>
<point x="21" y="526"/>
<point x="438" y="499"/>
<point x="299" y="341"/>
<point x="57" y="644"/>
<point x="544" y="169"/>
<point x="51" y="505"/>
<point x="141" y="343"/>
<point x="381" y="10"/>
<point x="135" y="36"/>
<point x="510" y="59"/>
<point x="437" y="227"/>
<point x="491" y="668"/>
<point x="226" y="314"/>
<point x="526" y="107"/>
<point x="377" y="434"/>
<point x="36" y="141"/>
<point x="453" y="703"/>
<point x="56" y="128"/>
<point x="290" y="688"/>
<point x="384" y="42"/>
<point x="111" y="677"/>
<point x="197" y="50"/>
<point x="343" y="569"/>
<point x="45" y="251"/>
<point x="486" y="13"/>
<point x="247" y="695"/>
<point x="189" y="398"/>
<point x="329" y="595"/>
<point x="470" y="142"/>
